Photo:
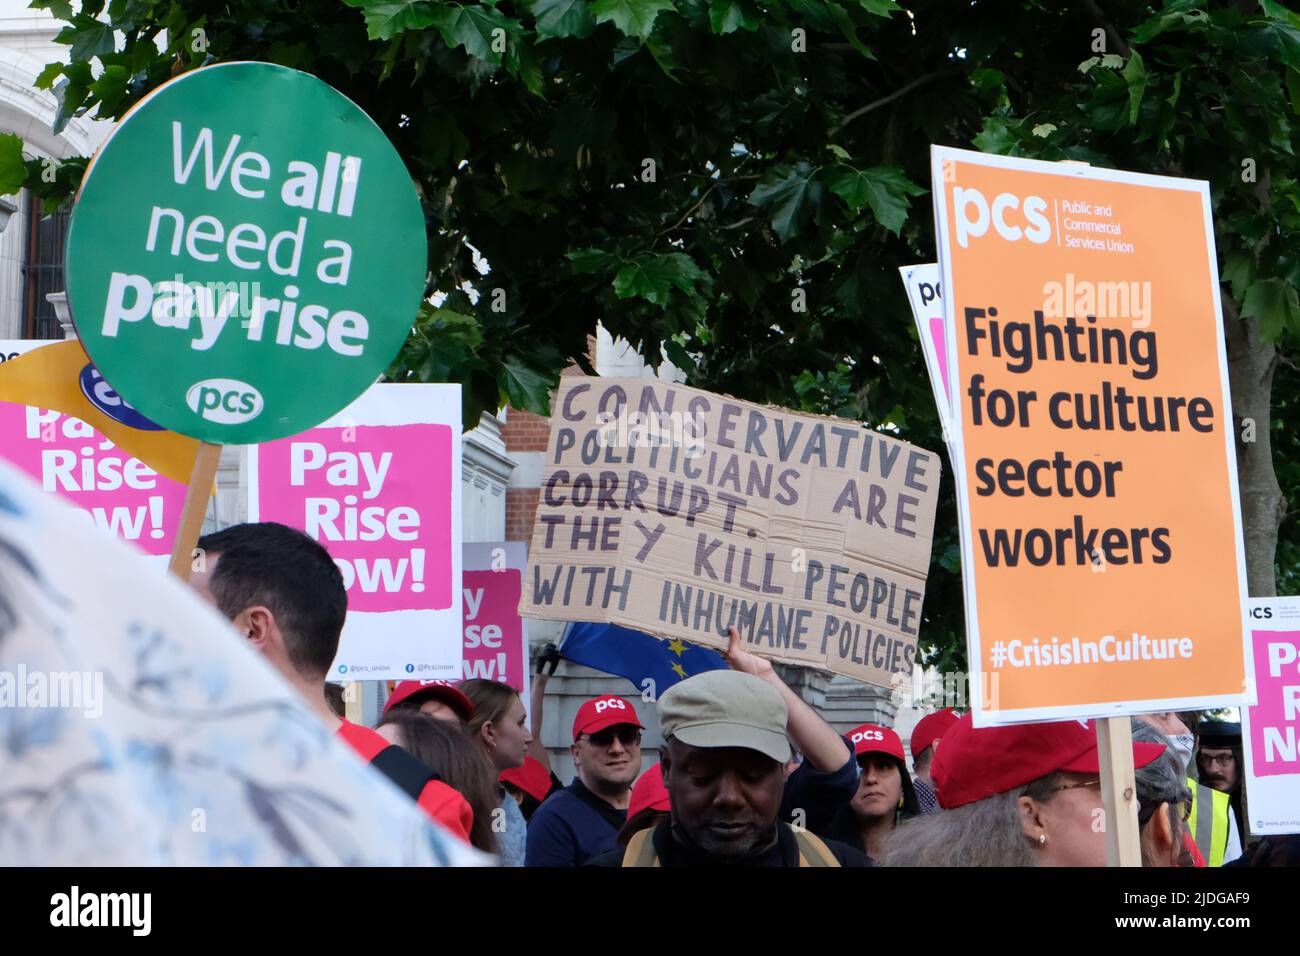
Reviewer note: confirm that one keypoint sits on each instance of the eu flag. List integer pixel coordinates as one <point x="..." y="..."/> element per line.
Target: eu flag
<point x="635" y="655"/>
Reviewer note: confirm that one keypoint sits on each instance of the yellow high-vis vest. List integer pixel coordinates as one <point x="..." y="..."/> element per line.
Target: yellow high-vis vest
<point x="1210" y="830"/>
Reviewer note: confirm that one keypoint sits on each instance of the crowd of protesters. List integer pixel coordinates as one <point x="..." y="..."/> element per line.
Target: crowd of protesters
<point x="749" y="774"/>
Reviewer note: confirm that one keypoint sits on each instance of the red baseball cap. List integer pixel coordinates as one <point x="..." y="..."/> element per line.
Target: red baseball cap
<point x="442" y="690"/>
<point x="601" y="712"/>
<point x="930" y="728"/>
<point x="975" y="763"/>
<point x="648" y="793"/>
<point x="532" y="778"/>
<point x="872" y="738"/>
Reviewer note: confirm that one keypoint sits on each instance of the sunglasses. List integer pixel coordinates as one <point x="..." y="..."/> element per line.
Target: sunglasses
<point x="627" y="736"/>
<point x="1076" y="786"/>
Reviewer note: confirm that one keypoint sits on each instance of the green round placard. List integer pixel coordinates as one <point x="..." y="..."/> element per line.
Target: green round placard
<point x="246" y="255"/>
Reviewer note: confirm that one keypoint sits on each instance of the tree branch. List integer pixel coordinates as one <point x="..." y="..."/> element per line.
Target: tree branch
<point x="1102" y="20"/>
<point x="886" y="100"/>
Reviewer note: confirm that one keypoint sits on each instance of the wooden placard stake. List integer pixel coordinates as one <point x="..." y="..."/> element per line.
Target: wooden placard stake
<point x="1119" y="791"/>
<point x="194" y="510"/>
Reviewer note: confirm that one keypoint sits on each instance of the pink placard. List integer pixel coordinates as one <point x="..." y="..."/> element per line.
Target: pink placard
<point x="1275" y="720"/>
<point x="123" y="495"/>
<point x="494" y="646"/>
<point x="379" y="498"/>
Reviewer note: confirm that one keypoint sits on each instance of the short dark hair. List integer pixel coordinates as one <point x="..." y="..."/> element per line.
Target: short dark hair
<point x="286" y="571"/>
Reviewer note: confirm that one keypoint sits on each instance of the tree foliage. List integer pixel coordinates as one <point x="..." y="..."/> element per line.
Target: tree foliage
<point x="734" y="183"/>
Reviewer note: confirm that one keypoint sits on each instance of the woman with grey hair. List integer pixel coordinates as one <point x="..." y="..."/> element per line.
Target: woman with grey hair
<point x="1163" y="803"/>
<point x="1025" y="795"/>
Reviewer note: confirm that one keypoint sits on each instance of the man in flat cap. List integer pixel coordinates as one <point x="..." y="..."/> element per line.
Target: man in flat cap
<point x="723" y="761"/>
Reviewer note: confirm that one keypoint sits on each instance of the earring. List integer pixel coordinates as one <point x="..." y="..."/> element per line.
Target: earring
<point x="1042" y="839"/>
<point x="900" y="803"/>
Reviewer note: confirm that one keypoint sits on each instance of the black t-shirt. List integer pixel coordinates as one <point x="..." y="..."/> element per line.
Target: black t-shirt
<point x="783" y="853"/>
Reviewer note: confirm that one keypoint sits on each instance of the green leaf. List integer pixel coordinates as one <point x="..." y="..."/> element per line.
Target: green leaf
<point x="788" y="195"/>
<point x="13" y="171"/>
<point x="884" y="189"/>
<point x="727" y="16"/>
<point x="1043" y="130"/>
<point x="1000" y="135"/>
<point x="387" y="18"/>
<point x="62" y="9"/>
<point x="881" y="8"/>
<point x="524" y="386"/>
<point x="1112" y="61"/>
<point x="1293" y="88"/>
<point x="1238" y="271"/>
<point x="591" y="260"/>
<point x="663" y="54"/>
<point x="87" y="36"/>
<point x="849" y="29"/>
<point x="45" y="79"/>
<point x="678" y="355"/>
<point x="634" y="18"/>
<point x="653" y="277"/>
<point x="1177" y="14"/>
<point x="561" y="18"/>
<point x="475" y="28"/>
<point x="813" y="13"/>
<point x="111" y="88"/>
<point x="1135" y="74"/>
<point x="1088" y="64"/>
<point x="1274" y="303"/>
<point x="1275" y="11"/>
<point x="1178" y="88"/>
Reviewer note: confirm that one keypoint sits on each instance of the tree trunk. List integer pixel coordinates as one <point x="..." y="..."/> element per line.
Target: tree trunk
<point x="1251" y="362"/>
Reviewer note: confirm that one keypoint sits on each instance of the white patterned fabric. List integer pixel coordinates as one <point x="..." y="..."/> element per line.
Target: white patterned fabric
<point x="171" y="743"/>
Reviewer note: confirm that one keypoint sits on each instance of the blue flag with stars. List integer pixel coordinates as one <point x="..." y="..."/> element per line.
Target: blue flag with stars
<point x="635" y="655"/>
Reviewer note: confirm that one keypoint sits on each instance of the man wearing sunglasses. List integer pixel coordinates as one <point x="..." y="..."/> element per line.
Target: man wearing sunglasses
<point x="583" y="819"/>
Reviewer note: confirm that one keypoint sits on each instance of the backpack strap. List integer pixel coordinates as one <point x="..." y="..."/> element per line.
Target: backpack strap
<point x="812" y="851"/>
<point x="641" y="849"/>
<point x="404" y="770"/>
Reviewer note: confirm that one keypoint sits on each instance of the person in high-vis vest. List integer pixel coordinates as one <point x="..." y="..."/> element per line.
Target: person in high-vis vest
<point x="723" y="763"/>
<point x="1219" y="767"/>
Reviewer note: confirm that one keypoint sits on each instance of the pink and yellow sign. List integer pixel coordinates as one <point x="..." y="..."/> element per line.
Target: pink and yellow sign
<point x="69" y="457"/>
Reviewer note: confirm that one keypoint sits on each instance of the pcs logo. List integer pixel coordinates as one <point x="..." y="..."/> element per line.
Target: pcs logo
<point x="1009" y="216"/>
<point x="226" y="401"/>
<point x="1261" y="613"/>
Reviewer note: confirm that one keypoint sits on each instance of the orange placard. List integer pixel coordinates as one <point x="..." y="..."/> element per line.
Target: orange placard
<point x="1103" y="564"/>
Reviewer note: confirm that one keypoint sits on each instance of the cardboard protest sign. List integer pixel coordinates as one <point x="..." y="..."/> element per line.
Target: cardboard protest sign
<point x="239" y="280"/>
<point x="379" y="486"/>
<point x="65" y="455"/>
<point x="1092" y="418"/>
<point x="1270" y="730"/>
<point x="923" y="284"/>
<point x="496" y="637"/>
<point x="678" y="512"/>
